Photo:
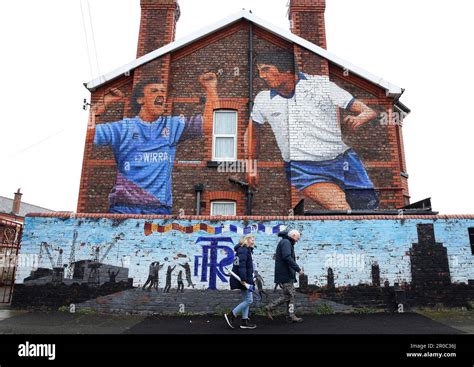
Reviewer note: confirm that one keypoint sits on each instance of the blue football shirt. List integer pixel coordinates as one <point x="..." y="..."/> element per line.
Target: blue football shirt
<point x="144" y="153"/>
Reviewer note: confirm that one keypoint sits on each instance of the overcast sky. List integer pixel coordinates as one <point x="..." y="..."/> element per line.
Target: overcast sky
<point x="422" y="46"/>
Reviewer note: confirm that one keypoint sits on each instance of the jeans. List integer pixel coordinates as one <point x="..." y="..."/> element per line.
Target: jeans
<point x="244" y="306"/>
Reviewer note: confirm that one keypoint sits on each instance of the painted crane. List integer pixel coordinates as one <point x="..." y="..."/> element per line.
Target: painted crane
<point x="94" y="275"/>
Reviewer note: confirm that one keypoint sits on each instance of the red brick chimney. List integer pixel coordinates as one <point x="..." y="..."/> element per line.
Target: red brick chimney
<point x="307" y="20"/>
<point x="17" y="202"/>
<point x="157" y="24"/>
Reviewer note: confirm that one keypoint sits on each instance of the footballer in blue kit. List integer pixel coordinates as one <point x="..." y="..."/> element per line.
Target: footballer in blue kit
<point x="144" y="153"/>
<point x="144" y="148"/>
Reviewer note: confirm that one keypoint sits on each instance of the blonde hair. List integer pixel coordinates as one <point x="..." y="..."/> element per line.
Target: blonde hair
<point x="244" y="241"/>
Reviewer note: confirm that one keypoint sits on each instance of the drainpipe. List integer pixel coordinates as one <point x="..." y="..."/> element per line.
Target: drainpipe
<point x="199" y="188"/>
<point x="250" y="69"/>
<point x="248" y="209"/>
<point x="248" y="194"/>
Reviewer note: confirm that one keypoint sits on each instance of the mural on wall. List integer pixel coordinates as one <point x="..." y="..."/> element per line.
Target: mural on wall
<point x="144" y="146"/>
<point x="104" y="256"/>
<point x="303" y="112"/>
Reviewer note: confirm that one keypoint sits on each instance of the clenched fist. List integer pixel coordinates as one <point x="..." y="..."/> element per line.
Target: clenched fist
<point x="208" y="81"/>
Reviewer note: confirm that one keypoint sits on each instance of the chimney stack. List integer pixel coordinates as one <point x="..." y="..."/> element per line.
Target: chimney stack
<point x="17" y="202"/>
<point x="157" y="24"/>
<point x="307" y="20"/>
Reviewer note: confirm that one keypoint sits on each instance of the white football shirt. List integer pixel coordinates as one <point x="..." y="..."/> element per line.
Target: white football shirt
<point x="306" y="126"/>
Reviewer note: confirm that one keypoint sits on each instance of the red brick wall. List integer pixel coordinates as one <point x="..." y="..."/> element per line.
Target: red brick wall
<point x="307" y="20"/>
<point x="157" y="24"/>
<point x="378" y="145"/>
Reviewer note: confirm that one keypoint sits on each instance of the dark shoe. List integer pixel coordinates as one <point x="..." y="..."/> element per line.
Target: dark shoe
<point x="268" y="310"/>
<point x="230" y="318"/>
<point x="294" y="318"/>
<point x="246" y="324"/>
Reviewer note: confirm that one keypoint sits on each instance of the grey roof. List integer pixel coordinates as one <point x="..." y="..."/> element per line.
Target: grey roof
<point x="6" y="205"/>
<point x="392" y="89"/>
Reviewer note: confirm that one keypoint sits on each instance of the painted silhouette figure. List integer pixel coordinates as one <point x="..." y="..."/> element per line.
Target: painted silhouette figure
<point x="187" y="270"/>
<point x="112" y="275"/>
<point x="180" y="282"/>
<point x="156" y="276"/>
<point x="153" y="276"/>
<point x="168" y="278"/>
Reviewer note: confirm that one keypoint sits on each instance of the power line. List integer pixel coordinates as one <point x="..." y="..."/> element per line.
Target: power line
<point x="87" y="41"/>
<point x="18" y="152"/>
<point x="93" y="39"/>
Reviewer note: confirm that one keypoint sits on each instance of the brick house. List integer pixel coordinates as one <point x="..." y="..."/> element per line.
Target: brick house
<point x="239" y="123"/>
<point x="224" y="162"/>
<point x="12" y="217"/>
<point x="14" y="210"/>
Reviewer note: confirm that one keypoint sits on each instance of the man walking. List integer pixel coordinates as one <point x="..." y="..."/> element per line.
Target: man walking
<point x="285" y="273"/>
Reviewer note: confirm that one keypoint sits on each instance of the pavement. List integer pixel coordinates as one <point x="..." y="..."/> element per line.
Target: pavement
<point x="22" y="322"/>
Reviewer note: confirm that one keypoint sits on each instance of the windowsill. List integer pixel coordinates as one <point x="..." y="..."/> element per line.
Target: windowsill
<point x="215" y="164"/>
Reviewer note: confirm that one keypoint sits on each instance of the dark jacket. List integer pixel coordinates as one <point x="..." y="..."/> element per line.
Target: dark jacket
<point x="243" y="267"/>
<point x="285" y="260"/>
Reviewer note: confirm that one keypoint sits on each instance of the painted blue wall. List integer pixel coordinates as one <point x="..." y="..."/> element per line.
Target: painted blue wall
<point x="350" y="247"/>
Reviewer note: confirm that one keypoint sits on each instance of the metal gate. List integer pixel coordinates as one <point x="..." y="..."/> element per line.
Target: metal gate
<point x="10" y="236"/>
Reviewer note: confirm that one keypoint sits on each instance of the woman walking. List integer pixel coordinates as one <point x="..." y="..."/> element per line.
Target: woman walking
<point x="243" y="267"/>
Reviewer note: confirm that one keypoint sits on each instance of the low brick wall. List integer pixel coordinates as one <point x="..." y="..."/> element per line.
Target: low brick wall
<point x="137" y="301"/>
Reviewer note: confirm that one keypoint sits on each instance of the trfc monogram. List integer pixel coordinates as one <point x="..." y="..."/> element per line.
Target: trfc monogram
<point x="210" y="267"/>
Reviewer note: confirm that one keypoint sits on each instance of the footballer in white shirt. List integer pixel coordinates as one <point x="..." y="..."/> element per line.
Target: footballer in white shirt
<point x="302" y="110"/>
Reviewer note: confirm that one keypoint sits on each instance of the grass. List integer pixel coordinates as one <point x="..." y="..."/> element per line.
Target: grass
<point x="445" y="312"/>
<point x="323" y="309"/>
<point x="86" y="311"/>
<point x="365" y="310"/>
<point x="219" y="311"/>
<point x="64" y="309"/>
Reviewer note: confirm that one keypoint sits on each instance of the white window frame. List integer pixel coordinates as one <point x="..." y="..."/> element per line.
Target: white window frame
<point x="215" y="136"/>
<point x="223" y="202"/>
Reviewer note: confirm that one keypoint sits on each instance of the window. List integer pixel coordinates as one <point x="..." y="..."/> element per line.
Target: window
<point x="223" y="208"/>
<point x="471" y="238"/>
<point x="224" y="136"/>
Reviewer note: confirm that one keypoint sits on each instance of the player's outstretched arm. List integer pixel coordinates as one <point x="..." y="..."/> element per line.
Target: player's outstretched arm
<point x="112" y="96"/>
<point x="364" y="115"/>
<point x="209" y="84"/>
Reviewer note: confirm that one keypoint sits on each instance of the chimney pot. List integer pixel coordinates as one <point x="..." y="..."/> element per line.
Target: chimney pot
<point x="17" y="202"/>
<point x="157" y="24"/>
<point x="307" y="20"/>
